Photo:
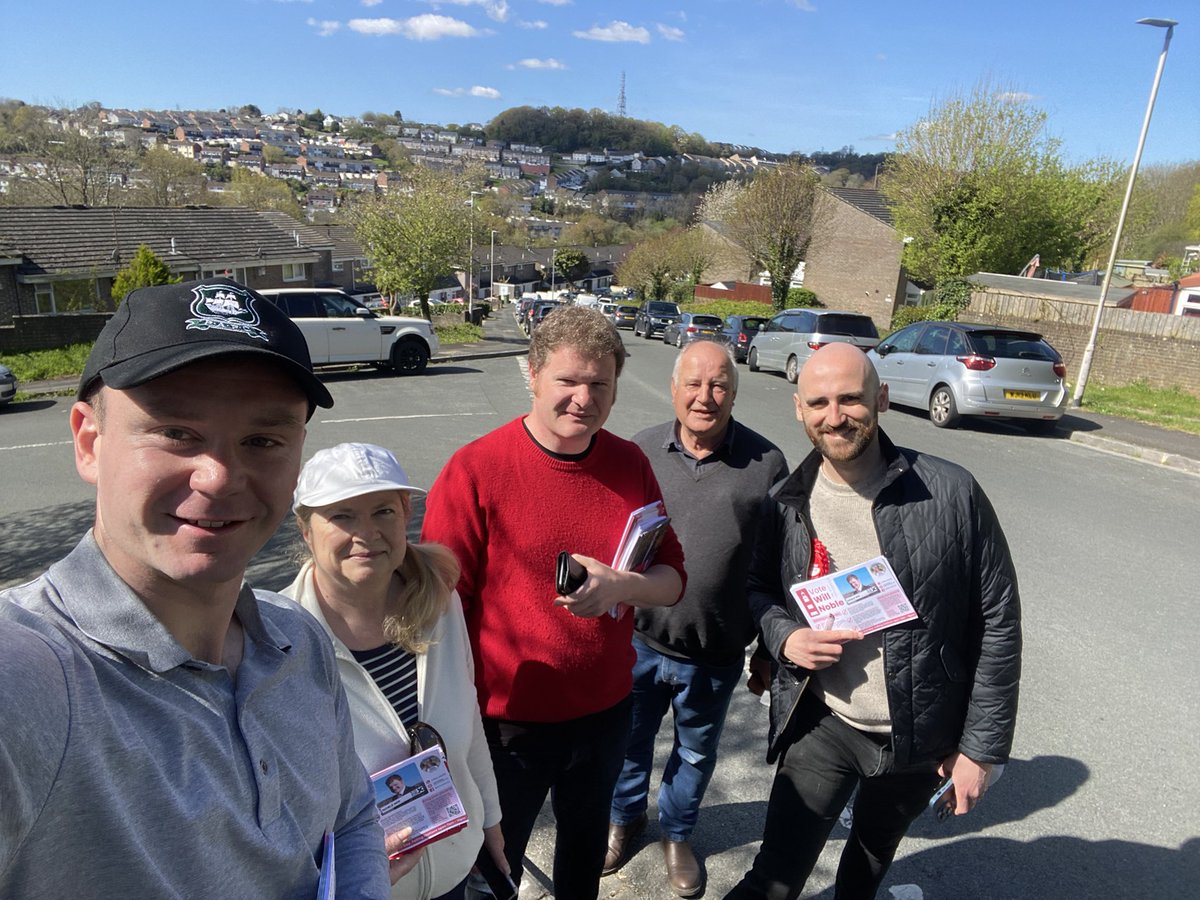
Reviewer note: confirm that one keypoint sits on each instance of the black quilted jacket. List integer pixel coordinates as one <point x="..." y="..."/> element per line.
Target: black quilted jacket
<point x="953" y="672"/>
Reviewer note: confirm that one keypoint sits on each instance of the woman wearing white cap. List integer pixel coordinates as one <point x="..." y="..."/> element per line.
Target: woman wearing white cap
<point x="401" y="643"/>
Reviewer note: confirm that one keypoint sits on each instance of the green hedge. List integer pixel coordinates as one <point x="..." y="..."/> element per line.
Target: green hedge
<point x="725" y="308"/>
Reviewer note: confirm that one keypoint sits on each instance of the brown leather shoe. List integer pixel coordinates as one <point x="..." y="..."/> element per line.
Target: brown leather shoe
<point x="683" y="869"/>
<point x="621" y="839"/>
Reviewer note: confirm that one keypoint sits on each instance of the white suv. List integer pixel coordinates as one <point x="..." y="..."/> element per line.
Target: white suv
<point x="340" y="330"/>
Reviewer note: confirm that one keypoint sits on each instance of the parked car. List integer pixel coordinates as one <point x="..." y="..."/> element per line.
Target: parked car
<point x="740" y="331"/>
<point x="540" y="310"/>
<point x="606" y="309"/>
<point x="624" y="316"/>
<point x="956" y="369"/>
<point x="340" y="330"/>
<point x="787" y="341"/>
<point x="693" y="327"/>
<point x="8" y="385"/>
<point x="654" y="315"/>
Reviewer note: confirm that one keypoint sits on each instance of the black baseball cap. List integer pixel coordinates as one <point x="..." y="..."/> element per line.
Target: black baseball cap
<point x="159" y="329"/>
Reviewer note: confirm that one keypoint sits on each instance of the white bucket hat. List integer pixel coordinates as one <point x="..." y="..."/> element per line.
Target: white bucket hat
<point x="348" y="470"/>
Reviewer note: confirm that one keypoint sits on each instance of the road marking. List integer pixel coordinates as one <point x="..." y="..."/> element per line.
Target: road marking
<point x="36" y="446"/>
<point x="391" y="418"/>
<point x="523" y="367"/>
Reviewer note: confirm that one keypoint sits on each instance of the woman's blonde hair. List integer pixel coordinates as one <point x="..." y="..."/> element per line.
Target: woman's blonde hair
<point x="428" y="576"/>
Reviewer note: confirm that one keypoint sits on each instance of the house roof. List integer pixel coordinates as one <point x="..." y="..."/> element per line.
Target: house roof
<point x="867" y="200"/>
<point x="1044" y="287"/>
<point x="102" y="240"/>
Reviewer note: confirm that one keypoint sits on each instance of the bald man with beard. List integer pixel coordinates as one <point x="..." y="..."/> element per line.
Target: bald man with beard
<point x="896" y="712"/>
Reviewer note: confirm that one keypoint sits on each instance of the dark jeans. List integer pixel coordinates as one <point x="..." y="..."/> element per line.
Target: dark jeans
<point x="698" y="695"/>
<point x="577" y="763"/>
<point x="815" y="778"/>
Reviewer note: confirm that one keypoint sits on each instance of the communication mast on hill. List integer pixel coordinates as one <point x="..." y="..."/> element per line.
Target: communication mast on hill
<point x="621" y="97"/>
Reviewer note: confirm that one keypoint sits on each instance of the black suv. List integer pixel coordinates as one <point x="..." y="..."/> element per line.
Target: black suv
<point x="654" y="315"/>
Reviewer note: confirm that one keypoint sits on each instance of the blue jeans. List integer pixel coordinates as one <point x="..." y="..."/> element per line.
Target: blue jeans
<point x="698" y="696"/>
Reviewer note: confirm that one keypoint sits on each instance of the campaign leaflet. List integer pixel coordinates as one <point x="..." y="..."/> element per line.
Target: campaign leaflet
<point x="866" y="597"/>
<point x="418" y="792"/>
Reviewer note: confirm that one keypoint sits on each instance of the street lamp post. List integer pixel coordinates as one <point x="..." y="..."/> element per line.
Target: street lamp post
<point x="492" y="270"/>
<point x="1086" y="367"/>
<point x="553" y="267"/>
<point x="471" y="260"/>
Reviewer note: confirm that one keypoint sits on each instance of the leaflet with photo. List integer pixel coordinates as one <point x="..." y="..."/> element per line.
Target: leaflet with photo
<point x="866" y="597"/>
<point x="418" y="793"/>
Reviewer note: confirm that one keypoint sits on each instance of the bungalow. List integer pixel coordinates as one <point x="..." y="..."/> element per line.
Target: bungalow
<point x="57" y="264"/>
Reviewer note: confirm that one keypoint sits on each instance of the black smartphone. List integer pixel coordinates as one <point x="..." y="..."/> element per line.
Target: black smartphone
<point x="502" y="886"/>
<point x="569" y="575"/>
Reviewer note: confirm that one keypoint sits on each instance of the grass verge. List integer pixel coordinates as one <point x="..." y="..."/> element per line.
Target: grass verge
<point x="458" y="333"/>
<point x="43" y="365"/>
<point x="1171" y="408"/>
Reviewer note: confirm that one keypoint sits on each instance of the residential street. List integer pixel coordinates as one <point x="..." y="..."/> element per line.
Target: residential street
<point x="1101" y="797"/>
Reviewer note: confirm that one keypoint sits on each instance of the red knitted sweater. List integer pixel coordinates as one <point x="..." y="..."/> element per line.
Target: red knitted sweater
<point x="506" y="509"/>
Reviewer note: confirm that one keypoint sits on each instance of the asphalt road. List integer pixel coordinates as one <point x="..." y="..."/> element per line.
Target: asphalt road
<point x="1101" y="797"/>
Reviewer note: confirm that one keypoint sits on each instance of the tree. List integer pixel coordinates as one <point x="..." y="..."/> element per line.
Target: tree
<point x="255" y="191"/>
<point x="772" y="218"/>
<point x="979" y="185"/>
<point x="144" y="270"/>
<point x="167" y="179"/>
<point x="593" y="230"/>
<point x="417" y="233"/>
<point x="649" y="267"/>
<point x="76" y="170"/>
<point x="571" y="264"/>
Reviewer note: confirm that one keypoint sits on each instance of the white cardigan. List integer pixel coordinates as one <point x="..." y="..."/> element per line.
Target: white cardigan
<point x="446" y="700"/>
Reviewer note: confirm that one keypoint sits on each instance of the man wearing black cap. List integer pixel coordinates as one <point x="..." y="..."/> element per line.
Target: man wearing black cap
<point x="158" y="714"/>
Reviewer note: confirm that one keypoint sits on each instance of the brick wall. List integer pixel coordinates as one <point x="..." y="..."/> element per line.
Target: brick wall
<point x="854" y="262"/>
<point x="1162" y="350"/>
<point x="49" y="332"/>
<point x="740" y="291"/>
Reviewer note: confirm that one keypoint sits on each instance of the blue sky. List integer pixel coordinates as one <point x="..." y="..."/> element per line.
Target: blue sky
<point x="780" y="74"/>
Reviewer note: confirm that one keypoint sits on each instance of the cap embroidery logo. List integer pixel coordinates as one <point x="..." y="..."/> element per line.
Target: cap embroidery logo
<point x="228" y="309"/>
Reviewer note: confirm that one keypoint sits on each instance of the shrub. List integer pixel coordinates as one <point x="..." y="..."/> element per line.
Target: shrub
<point x="803" y="297"/>
<point x="952" y="296"/>
<point x="725" y="308"/>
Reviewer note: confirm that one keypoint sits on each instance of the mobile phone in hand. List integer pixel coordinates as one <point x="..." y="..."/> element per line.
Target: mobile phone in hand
<point x="502" y="885"/>
<point x="943" y="799"/>
<point x="569" y="575"/>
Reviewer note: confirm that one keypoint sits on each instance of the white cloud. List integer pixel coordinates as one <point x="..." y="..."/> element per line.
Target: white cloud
<point x="615" y="31"/>
<point x="497" y="10"/>
<point x="427" y="27"/>
<point x="486" y="93"/>
<point x="325" y="27"/>
<point x="803" y="5"/>
<point x="293" y="1"/>
<point x="556" y="2"/>
<point x="550" y="63"/>
<point x="536" y="23"/>
<point x="371" y="2"/>
<point x="1014" y="97"/>
<point x="669" y="33"/>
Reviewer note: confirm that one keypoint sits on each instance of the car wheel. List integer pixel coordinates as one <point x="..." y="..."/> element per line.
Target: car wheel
<point x="409" y="356"/>
<point x="792" y="369"/>
<point x="679" y="340"/>
<point x="636" y="333"/>
<point x="943" y="412"/>
<point x="752" y="360"/>
<point x="648" y="334"/>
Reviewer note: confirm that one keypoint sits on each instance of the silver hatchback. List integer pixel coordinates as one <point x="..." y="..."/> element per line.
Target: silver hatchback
<point x="955" y="369"/>
<point x="787" y="341"/>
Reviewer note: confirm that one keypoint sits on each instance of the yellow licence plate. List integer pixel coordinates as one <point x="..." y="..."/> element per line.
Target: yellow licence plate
<point x="1022" y="395"/>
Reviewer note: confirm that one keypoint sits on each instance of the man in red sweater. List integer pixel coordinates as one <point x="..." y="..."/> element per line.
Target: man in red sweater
<point x="553" y="673"/>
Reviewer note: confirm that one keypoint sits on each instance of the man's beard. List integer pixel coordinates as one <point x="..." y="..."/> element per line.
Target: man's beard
<point x="849" y="446"/>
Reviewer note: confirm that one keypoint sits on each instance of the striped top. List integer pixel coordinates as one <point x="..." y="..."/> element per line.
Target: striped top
<point x="394" y="671"/>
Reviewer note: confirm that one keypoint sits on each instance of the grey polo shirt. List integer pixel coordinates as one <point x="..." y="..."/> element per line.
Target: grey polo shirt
<point x="130" y="769"/>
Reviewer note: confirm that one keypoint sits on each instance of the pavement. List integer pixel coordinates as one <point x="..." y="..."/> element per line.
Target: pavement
<point x="1124" y="437"/>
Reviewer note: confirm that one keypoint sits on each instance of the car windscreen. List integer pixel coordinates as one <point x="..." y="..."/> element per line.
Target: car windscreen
<point x="628" y="310"/>
<point x="1013" y="345"/>
<point x="850" y="326"/>
<point x="752" y="324"/>
<point x="706" y="321"/>
<point x="663" y="309"/>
